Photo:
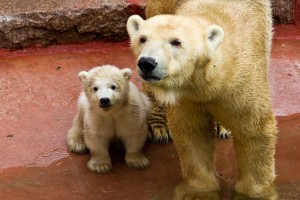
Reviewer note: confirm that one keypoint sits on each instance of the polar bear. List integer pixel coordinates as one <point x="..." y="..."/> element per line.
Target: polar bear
<point x="109" y="107"/>
<point x="208" y="61"/>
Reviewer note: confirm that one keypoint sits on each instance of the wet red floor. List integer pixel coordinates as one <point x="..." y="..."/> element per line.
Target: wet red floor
<point x="38" y="93"/>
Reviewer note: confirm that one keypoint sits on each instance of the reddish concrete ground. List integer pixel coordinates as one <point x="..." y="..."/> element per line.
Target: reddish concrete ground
<point x="38" y="92"/>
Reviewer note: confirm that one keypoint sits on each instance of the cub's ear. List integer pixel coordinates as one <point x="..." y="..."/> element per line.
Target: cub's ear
<point x="127" y="73"/>
<point x="214" y="36"/>
<point x="134" y="23"/>
<point x="83" y="75"/>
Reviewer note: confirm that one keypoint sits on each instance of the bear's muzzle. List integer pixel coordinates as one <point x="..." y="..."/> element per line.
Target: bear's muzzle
<point x="147" y="67"/>
<point x="104" y="103"/>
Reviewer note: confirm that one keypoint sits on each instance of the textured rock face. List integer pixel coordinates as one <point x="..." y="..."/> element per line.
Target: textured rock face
<point x="27" y="22"/>
<point x="23" y="23"/>
<point x="283" y="11"/>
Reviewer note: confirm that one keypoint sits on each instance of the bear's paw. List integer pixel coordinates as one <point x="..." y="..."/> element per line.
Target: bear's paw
<point x="273" y="196"/>
<point x="184" y="192"/>
<point x="222" y="132"/>
<point x="160" y="134"/>
<point x="136" y="161"/>
<point x="99" y="167"/>
<point x="77" y="146"/>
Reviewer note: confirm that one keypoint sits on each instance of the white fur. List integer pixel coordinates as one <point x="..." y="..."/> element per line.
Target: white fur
<point x="167" y="97"/>
<point x="95" y="127"/>
<point x="214" y="36"/>
<point x="133" y="24"/>
<point x="216" y="76"/>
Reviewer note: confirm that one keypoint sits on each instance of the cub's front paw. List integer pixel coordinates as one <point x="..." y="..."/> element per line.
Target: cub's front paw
<point x="183" y="192"/>
<point x="136" y="161"/>
<point x="99" y="167"/>
<point x="77" y="146"/>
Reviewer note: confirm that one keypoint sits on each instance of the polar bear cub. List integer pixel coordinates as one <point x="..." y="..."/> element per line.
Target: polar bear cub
<point x="109" y="107"/>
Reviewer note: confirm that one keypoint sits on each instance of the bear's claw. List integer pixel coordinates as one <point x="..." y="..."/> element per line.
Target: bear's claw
<point x="77" y="147"/>
<point x="160" y="135"/>
<point x="224" y="134"/>
<point x="138" y="165"/>
<point x="99" y="167"/>
<point x="182" y="192"/>
<point x="137" y="161"/>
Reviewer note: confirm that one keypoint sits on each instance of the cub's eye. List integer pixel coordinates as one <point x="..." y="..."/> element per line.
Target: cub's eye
<point x="95" y="89"/>
<point x="143" y="40"/>
<point x="175" y="43"/>
<point x="113" y="87"/>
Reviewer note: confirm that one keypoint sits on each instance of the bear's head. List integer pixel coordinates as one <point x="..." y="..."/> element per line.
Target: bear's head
<point x="169" y="49"/>
<point x="105" y="85"/>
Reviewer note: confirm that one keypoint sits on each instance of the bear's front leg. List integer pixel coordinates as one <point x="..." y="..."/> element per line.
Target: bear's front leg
<point x="98" y="144"/>
<point x="75" y="136"/>
<point x="255" y="149"/>
<point x="192" y="127"/>
<point x="157" y="121"/>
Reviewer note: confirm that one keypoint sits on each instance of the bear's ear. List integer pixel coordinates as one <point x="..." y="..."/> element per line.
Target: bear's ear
<point x="214" y="36"/>
<point x="133" y="25"/>
<point x="83" y="75"/>
<point x="127" y="73"/>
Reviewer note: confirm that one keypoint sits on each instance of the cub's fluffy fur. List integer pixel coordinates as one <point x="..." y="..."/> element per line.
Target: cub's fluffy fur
<point x="109" y="107"/>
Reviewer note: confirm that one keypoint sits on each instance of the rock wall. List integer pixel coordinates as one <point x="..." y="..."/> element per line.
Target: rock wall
<point x="283" y="11"/>
<point x="27" y="22"/>
<point x="64" y="21"/>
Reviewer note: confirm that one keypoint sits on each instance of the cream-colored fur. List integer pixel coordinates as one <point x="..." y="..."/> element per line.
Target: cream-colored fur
<point x="97" y="124"/>
<point x="209" y="62"/>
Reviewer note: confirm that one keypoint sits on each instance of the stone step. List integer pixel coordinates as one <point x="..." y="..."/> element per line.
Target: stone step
<point x="28" y="22"/>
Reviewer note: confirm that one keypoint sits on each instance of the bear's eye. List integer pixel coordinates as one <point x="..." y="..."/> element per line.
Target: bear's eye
<point x="113" y="87"/>
<point x="175" y="43"/>
<point x="143" y="40"/>
<point x="95" y="89"/>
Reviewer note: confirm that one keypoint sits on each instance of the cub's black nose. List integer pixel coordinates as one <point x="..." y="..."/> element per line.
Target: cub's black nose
<point x="104" y="101"/>
<point x="147" y="64"/>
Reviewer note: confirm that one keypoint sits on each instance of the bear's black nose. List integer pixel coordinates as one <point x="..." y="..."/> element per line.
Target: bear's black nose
<point x="104" y="101"/>
<point x="147" y="64"/>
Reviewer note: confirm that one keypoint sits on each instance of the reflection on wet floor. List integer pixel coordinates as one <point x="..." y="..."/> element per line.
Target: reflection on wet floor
<point x="70" y="178"/>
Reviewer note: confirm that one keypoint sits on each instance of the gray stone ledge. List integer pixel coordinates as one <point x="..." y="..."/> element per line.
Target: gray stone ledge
<point x="74" y="21"/>
<point x="27" y="22"/>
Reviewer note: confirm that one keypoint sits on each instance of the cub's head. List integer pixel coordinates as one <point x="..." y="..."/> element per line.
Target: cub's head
<point x="105" y="85"/>
<point x="168" y="48"/>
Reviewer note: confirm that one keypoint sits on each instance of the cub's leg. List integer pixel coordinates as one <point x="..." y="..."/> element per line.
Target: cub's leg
<point x="192" y="127"/>
<point x="157" y="121"/>
<point x="255" y="149"/>
<point x="98" y="141"/>
<point x="75" y="136"/>
<point x="134" y="140"/>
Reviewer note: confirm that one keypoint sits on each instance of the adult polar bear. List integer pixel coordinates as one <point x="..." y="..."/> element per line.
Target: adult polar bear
<point x="208" y="60"/>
